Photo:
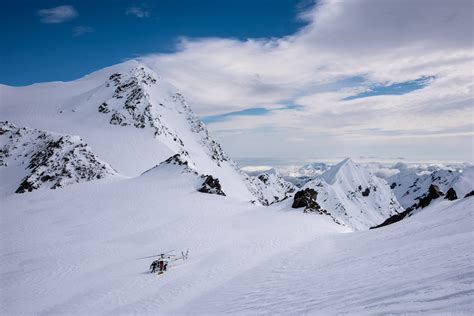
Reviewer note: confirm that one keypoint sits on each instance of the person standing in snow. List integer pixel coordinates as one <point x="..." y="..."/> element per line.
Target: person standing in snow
<point x="163" y="263"/>
<point x="160" y="264"/>
<point x="153" y="266"/>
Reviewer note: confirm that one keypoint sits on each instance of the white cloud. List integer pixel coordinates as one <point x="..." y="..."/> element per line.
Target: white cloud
<point x="138" y="12"/>
<point x="81" y="30"/>
<point x="381" y="41"/>
<point x="57" y="14"/>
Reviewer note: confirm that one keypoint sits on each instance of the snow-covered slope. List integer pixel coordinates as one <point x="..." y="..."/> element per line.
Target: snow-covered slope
<point x="419" y="266"/>
<point x="79" y="249"/>
<point x="354" y="196"/>
<point x="179" y="166"/>
<point x="409" y="185"/>
<point x="272" y="188"/>
<point x="82" y="251"/>
<point x="31" y="159"/>
<point x="130" y="116"/>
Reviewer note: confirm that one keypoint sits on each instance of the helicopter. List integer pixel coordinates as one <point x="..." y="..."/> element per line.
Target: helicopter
<point x="160" y="265"/>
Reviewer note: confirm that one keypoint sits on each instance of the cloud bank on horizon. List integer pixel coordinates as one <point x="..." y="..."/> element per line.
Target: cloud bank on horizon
<point x="362" y="76"/>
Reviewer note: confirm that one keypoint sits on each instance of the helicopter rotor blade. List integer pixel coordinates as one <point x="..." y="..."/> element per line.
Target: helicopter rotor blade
<point x="156" y="255"/>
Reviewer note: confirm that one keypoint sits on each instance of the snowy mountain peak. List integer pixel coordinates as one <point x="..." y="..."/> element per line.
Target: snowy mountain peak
<point x="131" y="117"/>
<point x="354" y="196"/>
<point x="130" y="102"/>
<point x="141" y="99"/>
<point x="345" y="167"/>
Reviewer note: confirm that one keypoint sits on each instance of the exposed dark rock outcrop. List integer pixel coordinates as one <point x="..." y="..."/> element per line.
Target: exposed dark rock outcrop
<point x="270" y="187"/>
<point x="118" y="119"/>
<point x="264" y="178"/>
<point x="451" y="195"/>
<point x="411" y="183"/>
<point x="307" y="198"/>
<point x="52" y="160"/>
<point x="433" y="193"/>
<point x="366" y="192"/>
<point x="304" y="198"/>
<point x="395" y="218"/>
<point x="177" y="159"/>
<point x="136" y="108"/>
<point x="211" y="185"/>
<point x="104" y="108"/>
<point x="469" y="194"/>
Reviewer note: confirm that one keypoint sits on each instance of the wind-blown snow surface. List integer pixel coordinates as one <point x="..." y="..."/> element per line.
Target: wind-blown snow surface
<point x="419" y="266"/>
<point x="79" y="252"/>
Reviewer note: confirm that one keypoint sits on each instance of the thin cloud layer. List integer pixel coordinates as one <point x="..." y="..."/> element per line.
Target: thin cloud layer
<point x="137" y="12"/>
<point x="58" y="14"/>
<point x="81" y="30"/>
<point x="385" y="43"/>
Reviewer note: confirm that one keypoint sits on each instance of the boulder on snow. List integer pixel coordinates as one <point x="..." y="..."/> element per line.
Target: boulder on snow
<point x="451" y="195"/>
<point x="307" y="198"/>
<point x="366" y="192"/>
<point x="211" y="185"/>
<point x="304" y="198"/>
<point x="433" y="193"/>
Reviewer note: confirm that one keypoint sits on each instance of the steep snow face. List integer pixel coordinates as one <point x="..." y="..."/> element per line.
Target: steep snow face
<point x="354" y="196"/>
<point x="409" y="185"/>
<point x="130" y="116"/>
<point x="136" y="101"/>
<point x="272" y="188"/>
<point x="31" y="159"/>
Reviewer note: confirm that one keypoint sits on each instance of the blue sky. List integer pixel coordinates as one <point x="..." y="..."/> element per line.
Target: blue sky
<point x="107" y="32"/>
<point x="273" y="78"/>
<point x="393" y="88"/>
